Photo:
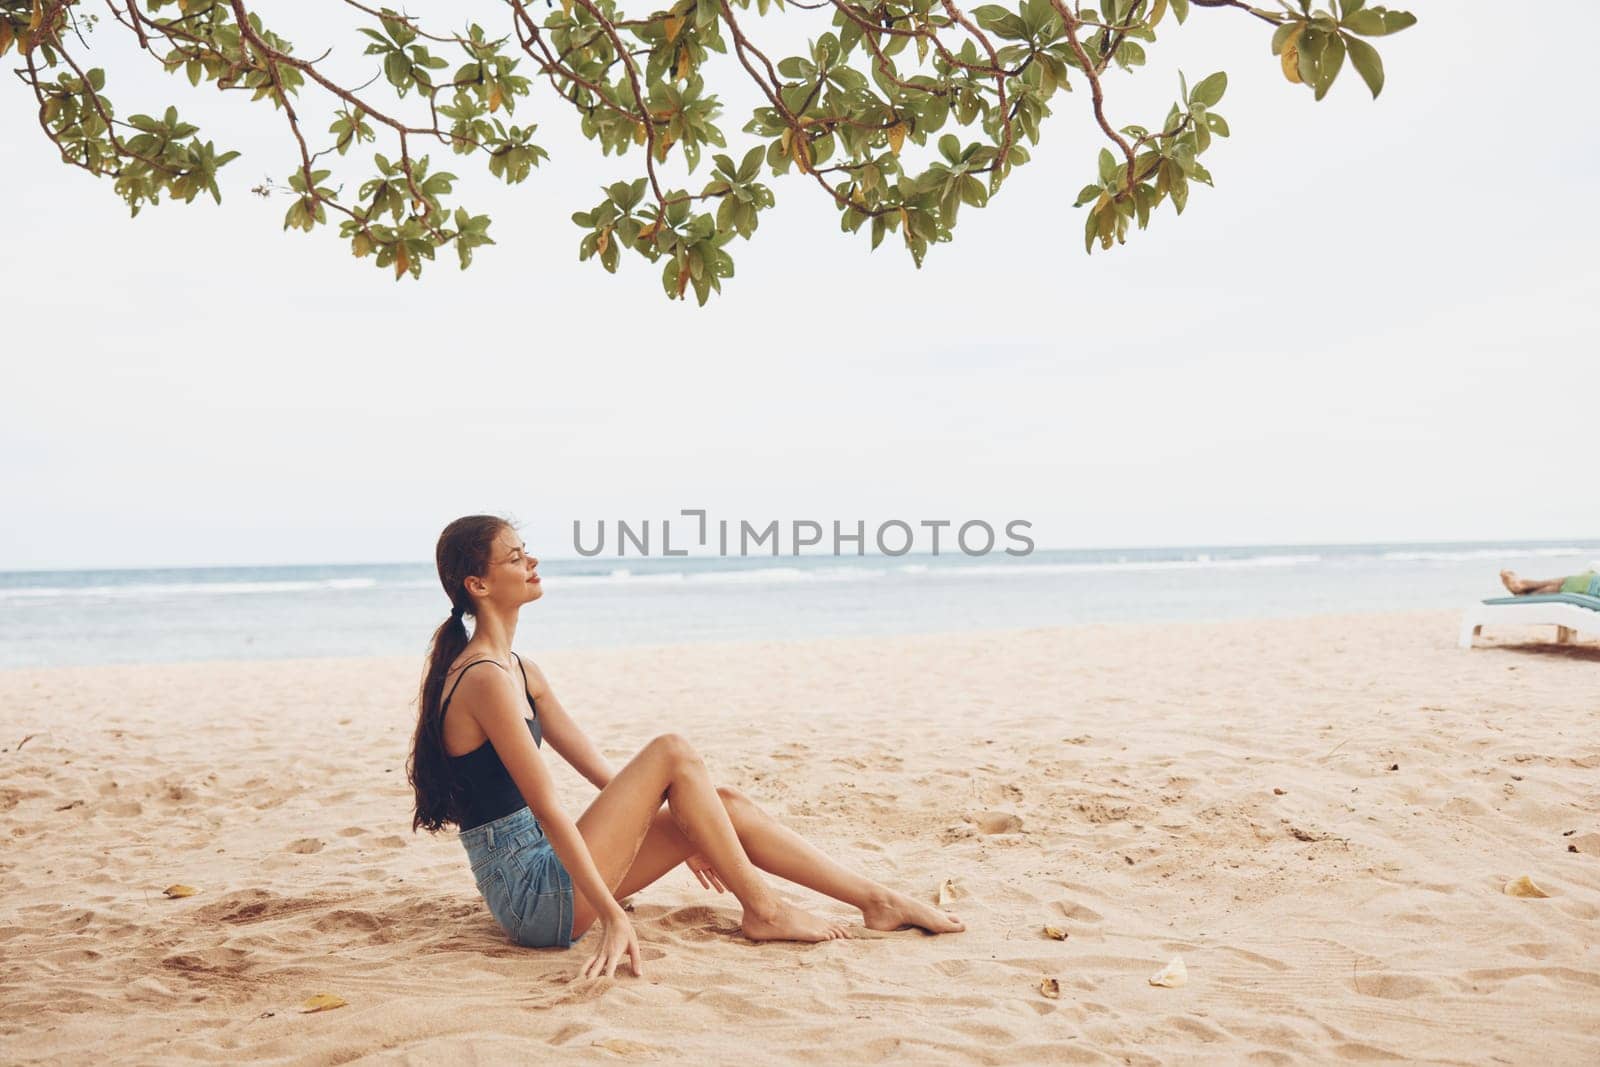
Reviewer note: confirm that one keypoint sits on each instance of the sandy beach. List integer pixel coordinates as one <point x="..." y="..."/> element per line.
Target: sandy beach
<point x="1317" y="815"/>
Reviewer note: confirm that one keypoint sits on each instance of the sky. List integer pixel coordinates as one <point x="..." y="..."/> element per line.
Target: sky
<point x="1377" y="327"/>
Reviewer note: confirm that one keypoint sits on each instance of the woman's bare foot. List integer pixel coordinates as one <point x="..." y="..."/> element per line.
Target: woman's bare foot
<point x="891" y="910"/>
<point x="789" y="923"/>
<point x="1518" y="586"/>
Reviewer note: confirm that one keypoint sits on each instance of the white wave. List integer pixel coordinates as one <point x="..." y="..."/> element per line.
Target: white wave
<point x="858" y="573"/>
<point x="151" y="590"/>
<point x="1451" y="556"/>
<point x="620" y="576"/>
<point x="1204" y="562"/>
<point x="750" y="576"/>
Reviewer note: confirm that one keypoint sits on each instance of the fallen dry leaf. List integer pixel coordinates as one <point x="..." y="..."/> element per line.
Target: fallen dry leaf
<point x="947" y="893"/>
<point x="622" y="1046"/>
<point x="1524" y="887"/>
<point x="322" y="1002"/>
<point x="179" y="891"/>
<point x="1050" y="988"/>
<point x="1055" y="933"/>
<point x="1173" y="975"/>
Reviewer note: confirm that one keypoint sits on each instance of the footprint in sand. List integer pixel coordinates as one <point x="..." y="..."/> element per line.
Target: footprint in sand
<point x="305" y="846"/>
<point x="348" y="920"/>
<point x="999" y="822"/>
<point x="1390" y="985"/>
<point x="1078" y="913"/>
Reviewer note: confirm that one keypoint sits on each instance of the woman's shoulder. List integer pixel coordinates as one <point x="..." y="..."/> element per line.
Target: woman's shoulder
<point x="521" y="661"/>
<point x="469" y="658"/>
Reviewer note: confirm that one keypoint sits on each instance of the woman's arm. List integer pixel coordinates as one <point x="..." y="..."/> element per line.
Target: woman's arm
<point x="562" y="732"/>
<point x="496" y="707"/>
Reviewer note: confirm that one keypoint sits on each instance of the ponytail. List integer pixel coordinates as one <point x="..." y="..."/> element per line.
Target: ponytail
<point x="463" y="550"/>
<point x="428" y="771"/>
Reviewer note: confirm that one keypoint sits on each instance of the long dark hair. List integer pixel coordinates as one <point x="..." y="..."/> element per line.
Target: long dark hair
<point x="463" y="551"/>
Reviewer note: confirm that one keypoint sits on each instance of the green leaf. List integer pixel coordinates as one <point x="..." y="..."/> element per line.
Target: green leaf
<point x="1377" y="22"/>
<point x="1331" y="60"/>
<point x="1129" y="54"/>
<point x="1001" y="22"/>
<point x="973" y="192"/>
<point x="397" y="69"/>
<point x="1310" y="47"/>
<point x="1180" y="193"/>
<point x="1367" y="62"/>
<point x="750" y="167"/>
<point x="1209" y="91"/>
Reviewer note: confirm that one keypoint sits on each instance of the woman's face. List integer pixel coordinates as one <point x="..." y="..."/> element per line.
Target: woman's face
<point x="513" y="578"/>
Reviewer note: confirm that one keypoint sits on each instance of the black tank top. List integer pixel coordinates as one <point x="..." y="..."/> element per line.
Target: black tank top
<point x="490" y="792"/>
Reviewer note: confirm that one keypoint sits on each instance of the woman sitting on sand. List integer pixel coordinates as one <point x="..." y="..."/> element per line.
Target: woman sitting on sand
<point x="475" y="764"/>
<point x="1587" y="583"/>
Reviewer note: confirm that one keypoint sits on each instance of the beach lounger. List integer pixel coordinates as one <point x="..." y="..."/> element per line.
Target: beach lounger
<point x="1569" y="612"/>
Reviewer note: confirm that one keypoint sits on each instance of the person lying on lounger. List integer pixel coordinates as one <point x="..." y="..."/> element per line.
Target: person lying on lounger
<point x="476" y="764"/>
<point x="1587" y="583"/>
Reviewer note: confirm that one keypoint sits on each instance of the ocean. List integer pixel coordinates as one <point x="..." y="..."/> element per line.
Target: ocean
<point x="62" y="618"/>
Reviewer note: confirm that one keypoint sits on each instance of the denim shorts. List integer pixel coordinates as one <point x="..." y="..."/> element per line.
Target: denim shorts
<point x="525" y="884"/>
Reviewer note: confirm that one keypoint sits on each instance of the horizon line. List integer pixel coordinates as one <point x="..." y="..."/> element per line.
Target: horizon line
<point x="1585" y="543"/>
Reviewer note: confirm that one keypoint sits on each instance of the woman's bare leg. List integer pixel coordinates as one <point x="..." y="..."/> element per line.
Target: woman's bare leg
<point x="616" y="824"/>
<point x="665" y="846"/>
<point x="778" y="850"/>
<point x="1529" y="586"/>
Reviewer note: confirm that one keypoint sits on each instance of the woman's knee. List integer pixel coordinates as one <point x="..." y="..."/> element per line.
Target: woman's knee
<point x="674" y="748"/>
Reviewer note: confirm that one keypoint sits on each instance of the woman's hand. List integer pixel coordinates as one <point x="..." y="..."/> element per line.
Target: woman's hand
<point x="617" y="940"/>
<point x="705" y="872"/>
